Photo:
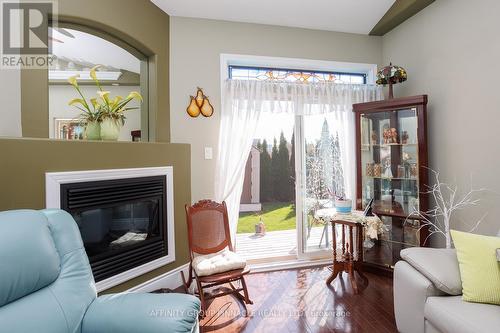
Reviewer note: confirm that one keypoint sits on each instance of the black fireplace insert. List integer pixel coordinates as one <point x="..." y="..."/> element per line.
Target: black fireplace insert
<point x="123" y="222"/>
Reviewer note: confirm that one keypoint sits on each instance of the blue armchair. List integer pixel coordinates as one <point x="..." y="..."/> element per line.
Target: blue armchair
<point x="46" y="285"/>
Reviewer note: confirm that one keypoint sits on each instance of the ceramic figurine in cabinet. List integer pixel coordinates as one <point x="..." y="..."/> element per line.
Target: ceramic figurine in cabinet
<point x="387" y="136"/>
<point x="387" y="168"/>
<point x="369" y="169"/>
<point x="404" y="137"/>
<point x="394" y="135"/>
<point x="401" y="171"/>
<point x="413" y="171"/>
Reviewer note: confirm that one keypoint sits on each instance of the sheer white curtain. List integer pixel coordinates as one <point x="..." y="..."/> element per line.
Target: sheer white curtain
<point x="244" y="101"/>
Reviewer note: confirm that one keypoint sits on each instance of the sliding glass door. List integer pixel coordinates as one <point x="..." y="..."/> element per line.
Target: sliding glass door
<point x="294" y="169"/>
<point x="267" y="221"/>
<point x="293" y="172"/>
<point x="321" y="177"/>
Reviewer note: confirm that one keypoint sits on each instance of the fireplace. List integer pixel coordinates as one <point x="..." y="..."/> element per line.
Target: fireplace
<point x="124" y="218"/>
<point x="122" y="222"/>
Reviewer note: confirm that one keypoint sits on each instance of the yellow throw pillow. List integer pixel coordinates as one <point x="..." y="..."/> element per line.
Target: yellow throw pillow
<point x="479" y="268"/>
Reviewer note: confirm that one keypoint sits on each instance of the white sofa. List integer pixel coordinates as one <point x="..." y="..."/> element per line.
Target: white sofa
<point x="427" y="296"/>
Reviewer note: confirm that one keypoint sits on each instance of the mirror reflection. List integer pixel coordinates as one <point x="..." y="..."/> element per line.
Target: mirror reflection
<point x="118" y="74"/>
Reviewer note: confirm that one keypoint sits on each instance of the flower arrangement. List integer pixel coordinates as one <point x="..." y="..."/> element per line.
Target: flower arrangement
<point x="102" y="114"/>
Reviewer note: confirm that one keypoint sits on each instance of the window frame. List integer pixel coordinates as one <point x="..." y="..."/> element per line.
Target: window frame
<point x="336" y="73"/>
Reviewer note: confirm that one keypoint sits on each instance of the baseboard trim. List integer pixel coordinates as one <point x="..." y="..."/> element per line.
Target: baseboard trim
<point x="171" y="280"/>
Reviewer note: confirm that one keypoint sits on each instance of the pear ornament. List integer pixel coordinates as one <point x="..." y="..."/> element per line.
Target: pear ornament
<point x="207" y="110"/>
<point x="193" y="109"/>
<point x="200" y="97"/>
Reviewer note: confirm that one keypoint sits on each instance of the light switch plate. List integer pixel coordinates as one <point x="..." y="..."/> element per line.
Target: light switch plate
<point x="208" y="153"/>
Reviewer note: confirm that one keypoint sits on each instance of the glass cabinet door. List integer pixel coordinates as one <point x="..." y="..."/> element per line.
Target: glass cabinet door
<point x="390" y="176"/>
<point x="389" y="161"/>
<point x="401" y="233"/>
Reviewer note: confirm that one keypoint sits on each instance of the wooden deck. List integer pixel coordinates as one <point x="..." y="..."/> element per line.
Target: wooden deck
<point x="275" y="243"/>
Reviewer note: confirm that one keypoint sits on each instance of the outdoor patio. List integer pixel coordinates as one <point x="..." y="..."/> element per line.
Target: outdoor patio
<point x="275" y="243"/>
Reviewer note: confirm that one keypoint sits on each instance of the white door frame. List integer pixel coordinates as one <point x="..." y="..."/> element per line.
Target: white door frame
<point x="370" y="70"/>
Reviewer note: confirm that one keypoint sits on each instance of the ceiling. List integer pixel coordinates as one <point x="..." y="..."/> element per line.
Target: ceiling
<point x="79" y="47"/>
<point x="355" y="16"/>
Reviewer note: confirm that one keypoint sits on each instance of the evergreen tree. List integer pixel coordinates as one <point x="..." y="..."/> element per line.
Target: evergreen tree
<point x="325" y="154"/>
<point x="275" y="170"/>
<point x="338" y="172"/>
<point x="284" y="167"/>
<point x="324" y="172"/>
<point x="266" y="189"/>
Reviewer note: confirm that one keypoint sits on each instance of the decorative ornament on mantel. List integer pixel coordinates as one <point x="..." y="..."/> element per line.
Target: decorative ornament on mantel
<point x="390" y="75"/>
<point x="200" y="104"/>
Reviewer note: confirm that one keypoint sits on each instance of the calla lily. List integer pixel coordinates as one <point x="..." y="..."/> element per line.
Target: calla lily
<point x="94" y="102"/>
<point x="72" y="80"/>
<point x="115" y="101"/>
<point x="75" y="101"/>
<point x="104" y="95"/>
<point x="135" y="95"/>
<point x="93" y="73"/>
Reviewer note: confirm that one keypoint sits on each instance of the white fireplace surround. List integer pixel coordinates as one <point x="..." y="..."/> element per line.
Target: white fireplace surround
<point x="53" y="181"/>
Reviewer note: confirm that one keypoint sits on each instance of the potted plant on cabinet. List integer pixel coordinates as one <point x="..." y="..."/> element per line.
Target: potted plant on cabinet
<point x="106" y="113"/>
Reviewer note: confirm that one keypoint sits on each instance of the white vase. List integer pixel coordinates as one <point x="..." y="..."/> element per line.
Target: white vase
<point x="93" y="130"/>
<point x="110" y="129"/>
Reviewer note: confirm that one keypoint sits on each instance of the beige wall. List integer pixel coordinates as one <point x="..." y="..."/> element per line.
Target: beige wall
<point x="196" y="45"/>
<point x="452" y="53"/>
<point x="10" y="108"/>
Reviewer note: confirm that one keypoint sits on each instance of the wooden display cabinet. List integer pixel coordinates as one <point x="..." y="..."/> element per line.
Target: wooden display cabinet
<point x="391" y="145"/>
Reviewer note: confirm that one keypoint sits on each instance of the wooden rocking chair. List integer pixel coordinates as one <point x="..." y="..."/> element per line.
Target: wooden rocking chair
<point x="208" y="234"/>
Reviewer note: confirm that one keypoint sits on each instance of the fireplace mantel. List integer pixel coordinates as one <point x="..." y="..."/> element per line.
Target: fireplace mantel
<point x="54" y="180"/>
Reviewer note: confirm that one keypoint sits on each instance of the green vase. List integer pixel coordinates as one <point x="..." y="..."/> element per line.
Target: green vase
<point x="110" y="129"/>
<point x="93" y="131"/>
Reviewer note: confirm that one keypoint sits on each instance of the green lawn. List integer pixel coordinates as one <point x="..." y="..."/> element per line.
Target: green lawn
<point x="275" y="215"/>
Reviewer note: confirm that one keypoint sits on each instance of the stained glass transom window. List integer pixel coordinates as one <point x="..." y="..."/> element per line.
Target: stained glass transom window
<point x="292" y="75"/>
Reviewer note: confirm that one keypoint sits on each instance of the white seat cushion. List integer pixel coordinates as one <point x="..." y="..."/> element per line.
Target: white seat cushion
<point x="452" y="314"/>
<point x="217" y="263"/>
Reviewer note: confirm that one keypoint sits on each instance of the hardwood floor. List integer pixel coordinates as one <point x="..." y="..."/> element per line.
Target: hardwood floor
<point x="300" y="301"/>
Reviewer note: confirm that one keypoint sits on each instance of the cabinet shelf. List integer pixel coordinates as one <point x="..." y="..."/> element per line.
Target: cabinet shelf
<point x="390" y="145"/>
<point x="390" y="178"/>
<point x="396" y="242"/>
<point x="393" y="209"/>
